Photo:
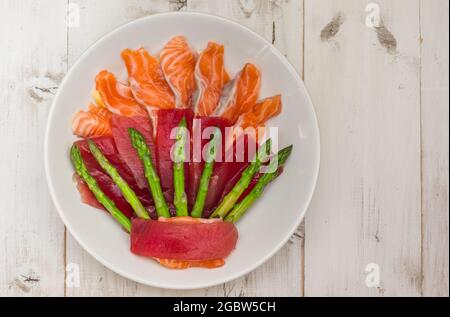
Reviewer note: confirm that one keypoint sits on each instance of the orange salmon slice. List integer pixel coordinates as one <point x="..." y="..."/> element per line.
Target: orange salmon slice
<point x="146" y="79"/>
<point x="94" y="122"/>
<point x="211" y="76"/>
<point x="260" y="112"/>
<point x="178" y="264"/>
<point x="117" y="96"/>
<point x="241" y="94"/>
<point x="178" y="66"/>
<point x="183" y="264"/>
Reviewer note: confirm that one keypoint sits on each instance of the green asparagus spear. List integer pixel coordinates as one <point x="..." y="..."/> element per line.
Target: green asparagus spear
<point x="208" y="168"/>
<point x="143" y="151"/>
<point x="127" y="192"/>
<point x="180" y="198"/>
<point x="247" y="175"/>
<point x="82" y="171"/>
<point x="241" y="207"/>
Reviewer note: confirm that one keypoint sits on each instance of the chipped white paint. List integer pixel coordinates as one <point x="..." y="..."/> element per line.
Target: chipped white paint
<point x="382" y="102"/>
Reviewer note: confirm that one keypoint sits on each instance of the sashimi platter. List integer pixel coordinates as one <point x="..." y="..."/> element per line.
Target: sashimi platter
<point x="178" y="153"/>
<point x="182" y="151"/>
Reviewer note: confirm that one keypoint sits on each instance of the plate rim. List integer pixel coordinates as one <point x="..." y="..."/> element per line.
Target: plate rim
<point x="109" y="265"/>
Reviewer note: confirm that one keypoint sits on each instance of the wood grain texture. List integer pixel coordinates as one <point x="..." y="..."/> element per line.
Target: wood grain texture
<point x="381" y="96"/>
<point x="280" y="22"/>
<point x="32" y="235"/>
<point x="95" y="279"/>
<point x="434" y="21"/>
<point x="365" y="85"/>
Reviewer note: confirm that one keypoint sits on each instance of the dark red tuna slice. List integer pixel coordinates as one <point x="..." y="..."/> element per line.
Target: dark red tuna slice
<point x="226" y="174"/>
<point x="120" y="125"/>
<point x="252" y="184"/>
<point x="108" y="148"/>
<point x="168" y="120"/>
<point x="86" y="195"/>
<point x="201" y="127"/>
<point x="183" y="238"/>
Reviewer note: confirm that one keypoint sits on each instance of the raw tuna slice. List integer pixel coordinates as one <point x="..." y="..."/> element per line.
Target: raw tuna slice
<point x="222" y="175"/>
<point x="199" y="143"/>
<point x="252" y="184"/>
<point x="183" y="238"/>
<point x="86" y="195"/>
<point x="168" y="120"/>
<point x="108" y="148"/>
<point x="120" y="125"/>
<point x="226" y="174"/>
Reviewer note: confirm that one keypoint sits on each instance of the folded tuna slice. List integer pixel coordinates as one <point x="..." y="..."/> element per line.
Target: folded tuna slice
<point x="183" y="238"/>
<point x="108" y="148"/>
<point x="120" y="126"/>
<point x="168" y="120"/>
<point x="201" y="128"/>
<point x="86" y="195"/>
<point x="227" y="173"/>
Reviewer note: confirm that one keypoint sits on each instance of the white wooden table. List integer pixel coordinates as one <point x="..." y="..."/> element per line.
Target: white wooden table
<point x="382" y="100"/>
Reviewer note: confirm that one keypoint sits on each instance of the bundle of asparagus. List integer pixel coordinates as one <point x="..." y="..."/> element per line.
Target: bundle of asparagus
<point x="230" y="208"/>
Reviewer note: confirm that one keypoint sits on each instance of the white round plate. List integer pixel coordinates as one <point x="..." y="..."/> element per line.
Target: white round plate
<point x="270" y="222"/>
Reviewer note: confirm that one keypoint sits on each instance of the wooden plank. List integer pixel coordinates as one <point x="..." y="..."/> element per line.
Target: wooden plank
<point x="32" y="249"/>
<point x="95" y="279"/>
<point x="285" y="15"/>
<point x="280" y="22"/>
<point x="435" y="137"/>
<point x="364" y="82"/>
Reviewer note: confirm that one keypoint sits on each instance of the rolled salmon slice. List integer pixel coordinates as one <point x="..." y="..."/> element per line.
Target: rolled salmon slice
<point x="240" y="95"/>
<point x="146" y="79"/>
<point x="116" y="96"/>
<point x="260" y="112"/>
<point x="178" y="66"/>
<point x="211" y="77"/>
<point x="92" y="123"/>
